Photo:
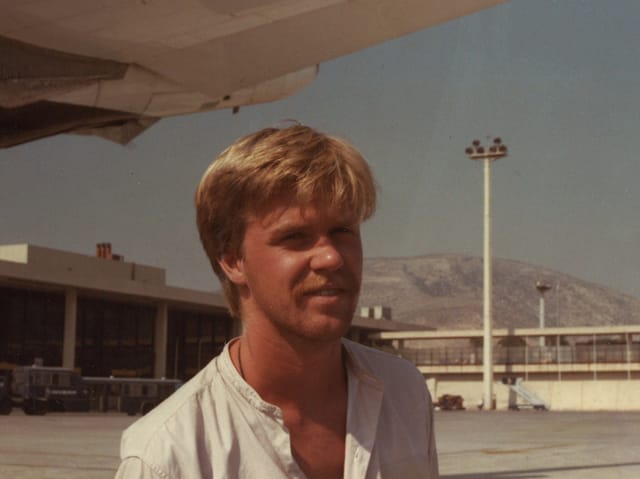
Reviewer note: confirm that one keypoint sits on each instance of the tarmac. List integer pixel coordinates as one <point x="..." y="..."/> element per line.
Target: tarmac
<point x="538" y="444"/>
<point x="471" y="444"/>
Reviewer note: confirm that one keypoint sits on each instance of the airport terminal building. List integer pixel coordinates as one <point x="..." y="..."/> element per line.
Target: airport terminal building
<point x="561" y="368"/>
<point x="104" y="316"/>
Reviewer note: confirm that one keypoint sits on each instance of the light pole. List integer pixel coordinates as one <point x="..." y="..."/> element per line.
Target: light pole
<point x="478" y="152"/>
<point x="542" y="288"/>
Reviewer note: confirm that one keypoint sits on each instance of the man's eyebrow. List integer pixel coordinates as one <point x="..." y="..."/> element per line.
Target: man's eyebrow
<point x="286" y="226"/>
<point x="348" y="221"/>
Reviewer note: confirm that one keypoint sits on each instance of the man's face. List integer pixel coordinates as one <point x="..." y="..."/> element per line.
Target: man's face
<point x="300" y="270"/>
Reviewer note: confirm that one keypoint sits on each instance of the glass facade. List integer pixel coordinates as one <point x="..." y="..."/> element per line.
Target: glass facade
<point x="113" y="338"/>
<point x="194" y="339"/>
<point x="31" y="326"/>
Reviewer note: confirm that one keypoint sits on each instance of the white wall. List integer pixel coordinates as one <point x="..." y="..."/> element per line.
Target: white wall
<point x="565" y="395"/>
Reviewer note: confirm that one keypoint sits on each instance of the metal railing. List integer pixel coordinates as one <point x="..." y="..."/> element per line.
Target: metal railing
<point x="508" y="355"/>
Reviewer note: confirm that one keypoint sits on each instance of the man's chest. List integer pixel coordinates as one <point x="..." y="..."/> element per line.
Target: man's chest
<point x="318" y="441"/>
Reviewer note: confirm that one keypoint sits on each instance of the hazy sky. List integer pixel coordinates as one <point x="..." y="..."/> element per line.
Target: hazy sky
<point x="557" y="80"/>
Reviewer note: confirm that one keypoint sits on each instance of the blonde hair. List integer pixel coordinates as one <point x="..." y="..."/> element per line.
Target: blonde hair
<point x="269" y="163"/>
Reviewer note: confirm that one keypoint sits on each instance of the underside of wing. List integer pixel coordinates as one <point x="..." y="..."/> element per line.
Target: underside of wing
<point x="114" y="68"/>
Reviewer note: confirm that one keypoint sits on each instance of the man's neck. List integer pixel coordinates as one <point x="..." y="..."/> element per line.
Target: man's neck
<point x="309" y="385"/>
<point x="298" y="374"/>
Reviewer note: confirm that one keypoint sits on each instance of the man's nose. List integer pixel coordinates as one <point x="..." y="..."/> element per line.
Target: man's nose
<point x="326" y="256"/>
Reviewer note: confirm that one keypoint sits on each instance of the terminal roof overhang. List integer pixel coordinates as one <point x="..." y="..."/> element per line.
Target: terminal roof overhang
<point x="113" y="69"/>
<point x="59" y="273"/>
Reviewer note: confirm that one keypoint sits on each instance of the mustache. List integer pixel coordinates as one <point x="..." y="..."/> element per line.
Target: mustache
<point x="316" y="283"/>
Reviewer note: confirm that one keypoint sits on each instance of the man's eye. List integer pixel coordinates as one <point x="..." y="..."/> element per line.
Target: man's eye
<point x="293" y="236"/>
<point x="345" y="230"/>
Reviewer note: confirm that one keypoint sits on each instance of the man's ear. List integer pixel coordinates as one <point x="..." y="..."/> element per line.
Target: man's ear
<point x="233" y="267"/>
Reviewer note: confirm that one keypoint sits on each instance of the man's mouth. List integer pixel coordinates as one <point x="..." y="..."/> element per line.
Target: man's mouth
<point x="324" y="292"/>
<point x="324" y="288"/>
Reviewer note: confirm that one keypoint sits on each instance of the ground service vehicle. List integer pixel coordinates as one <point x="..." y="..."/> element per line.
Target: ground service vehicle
<point x="38" y="389"/>
<point x="130" y="395"/>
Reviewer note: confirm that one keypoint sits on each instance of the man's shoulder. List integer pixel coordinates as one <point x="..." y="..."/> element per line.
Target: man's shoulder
<point x="402" y="383"/>
<point x="382" y="364"/>
<point x="180" y="410"/>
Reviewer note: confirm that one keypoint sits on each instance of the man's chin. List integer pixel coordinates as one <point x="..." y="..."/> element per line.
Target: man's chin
<point x="325" y="328"/>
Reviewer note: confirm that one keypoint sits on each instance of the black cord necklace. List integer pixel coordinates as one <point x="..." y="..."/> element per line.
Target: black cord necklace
<point x="241" y="371"/>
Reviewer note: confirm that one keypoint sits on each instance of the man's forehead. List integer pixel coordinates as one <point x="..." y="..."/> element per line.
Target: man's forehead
<point x="291" y="210"/>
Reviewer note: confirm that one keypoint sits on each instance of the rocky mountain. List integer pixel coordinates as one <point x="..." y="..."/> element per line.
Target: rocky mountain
<point x="445" y="292"/>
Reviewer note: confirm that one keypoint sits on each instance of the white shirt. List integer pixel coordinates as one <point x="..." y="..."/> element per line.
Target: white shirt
<point x="217" y="426"/>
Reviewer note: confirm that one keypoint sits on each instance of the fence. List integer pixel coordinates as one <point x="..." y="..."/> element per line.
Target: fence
<point x="509" y="355"/>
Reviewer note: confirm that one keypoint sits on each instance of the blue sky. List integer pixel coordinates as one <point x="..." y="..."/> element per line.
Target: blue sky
<point x="556" y="80"/>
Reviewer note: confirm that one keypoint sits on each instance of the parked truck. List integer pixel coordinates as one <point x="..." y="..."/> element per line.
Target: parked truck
<point x="38" y="389"/>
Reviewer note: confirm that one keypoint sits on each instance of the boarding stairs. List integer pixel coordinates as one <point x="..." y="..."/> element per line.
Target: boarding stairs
<point x="531" y="398"/>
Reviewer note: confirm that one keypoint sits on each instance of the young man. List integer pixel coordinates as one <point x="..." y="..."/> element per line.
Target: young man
<point x="279" y="216"/>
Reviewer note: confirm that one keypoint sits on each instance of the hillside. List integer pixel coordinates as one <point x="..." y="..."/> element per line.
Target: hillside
<point x="445" y="291"/>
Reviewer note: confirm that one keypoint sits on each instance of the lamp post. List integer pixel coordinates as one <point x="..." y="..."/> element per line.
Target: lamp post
<point x="496" y="151"/>
<point x="542" y="288"/>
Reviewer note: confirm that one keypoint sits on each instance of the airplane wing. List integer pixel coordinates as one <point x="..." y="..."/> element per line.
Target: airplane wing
<point x="114" y="67"/>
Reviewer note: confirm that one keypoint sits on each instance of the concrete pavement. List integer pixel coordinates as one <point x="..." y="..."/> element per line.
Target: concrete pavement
<point x="538" y="444"/>
<point x="471" y="444"/>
